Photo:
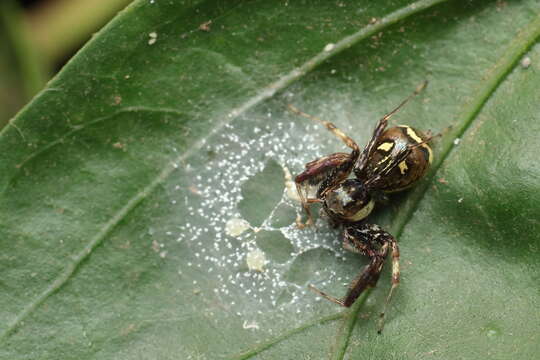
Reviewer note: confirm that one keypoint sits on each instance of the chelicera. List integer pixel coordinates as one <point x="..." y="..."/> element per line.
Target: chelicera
<point x="348" y="185"/>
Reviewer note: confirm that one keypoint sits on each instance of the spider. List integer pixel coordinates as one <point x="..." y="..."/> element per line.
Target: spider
<point x="349" y="184"/>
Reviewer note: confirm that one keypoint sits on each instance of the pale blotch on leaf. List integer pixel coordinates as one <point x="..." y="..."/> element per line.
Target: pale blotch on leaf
<point x="290" y="185"/>
<point x="256" y="259"/>
<point x="329" y="47"/>
<point x="525" y="62"/>
<point x="250" y="325"/>
<point x="236" y="227"/>
<point x="153" y="38"/>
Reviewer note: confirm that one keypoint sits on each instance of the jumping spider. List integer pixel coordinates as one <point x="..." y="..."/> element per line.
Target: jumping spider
<point x="348" y="185"/>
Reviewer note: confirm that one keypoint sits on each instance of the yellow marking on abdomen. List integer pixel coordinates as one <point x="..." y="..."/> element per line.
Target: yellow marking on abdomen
<point x="403" y="167"/>
<point x="430" y="153"/>
<point x="413" y="134"/>
<point x="415" y="137"/>
<point x="386" y="146"/>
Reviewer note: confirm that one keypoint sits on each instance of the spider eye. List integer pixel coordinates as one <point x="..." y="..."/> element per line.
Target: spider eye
<point x="350" y="201"/>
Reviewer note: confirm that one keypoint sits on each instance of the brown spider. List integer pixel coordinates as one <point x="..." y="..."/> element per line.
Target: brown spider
<point x="393" y="160"/>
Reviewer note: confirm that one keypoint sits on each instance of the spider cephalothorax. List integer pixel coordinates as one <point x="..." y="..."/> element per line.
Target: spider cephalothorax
<point x="393" y="160"/>
<point x="350" y="201"/>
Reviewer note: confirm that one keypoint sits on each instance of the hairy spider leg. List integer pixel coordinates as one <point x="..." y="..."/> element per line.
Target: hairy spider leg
<point x="367" y="278"/>
<point x="329" y="171"/>
<point x="381" y="125"/>
<point x="441" y="133"/>
<point x="395" y="281"/>
<point x="371" y="241"/>
<point x="331" y="127"/>
<point x="305" y="205"/>
<point x="317" y="172"/>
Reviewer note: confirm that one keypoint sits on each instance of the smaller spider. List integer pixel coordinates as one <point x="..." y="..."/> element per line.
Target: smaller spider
<point x="349" y="184"/>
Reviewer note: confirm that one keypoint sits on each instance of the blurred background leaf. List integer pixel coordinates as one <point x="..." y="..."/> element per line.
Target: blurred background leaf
<point x="21" y="73"/>
<point x="38" y="37"/>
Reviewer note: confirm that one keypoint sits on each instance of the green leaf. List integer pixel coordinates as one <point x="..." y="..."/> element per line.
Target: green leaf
<point x="127" y="183"/>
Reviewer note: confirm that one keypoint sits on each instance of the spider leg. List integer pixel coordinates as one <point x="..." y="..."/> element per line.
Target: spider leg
<point x="325" y="295"/>
<point x="326" y="172"/>
<point x="331" y="127"/>
<point x="322" y="173"/>
<point x="366" y="153"/>
<point x="367" y="278"/>
<point x="442" y="133"/>
<point x="417" y="91"/>
<point x="381" y="125"/>
<point x="306" y="202"/>
<point x="395" y="281"/>
<point x="367" y="240"/>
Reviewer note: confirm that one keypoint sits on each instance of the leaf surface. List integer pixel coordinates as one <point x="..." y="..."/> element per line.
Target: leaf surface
<point x="148" y="188"/>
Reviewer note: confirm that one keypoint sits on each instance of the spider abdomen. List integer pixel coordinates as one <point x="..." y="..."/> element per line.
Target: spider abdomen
<point x="391" y="142"/>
